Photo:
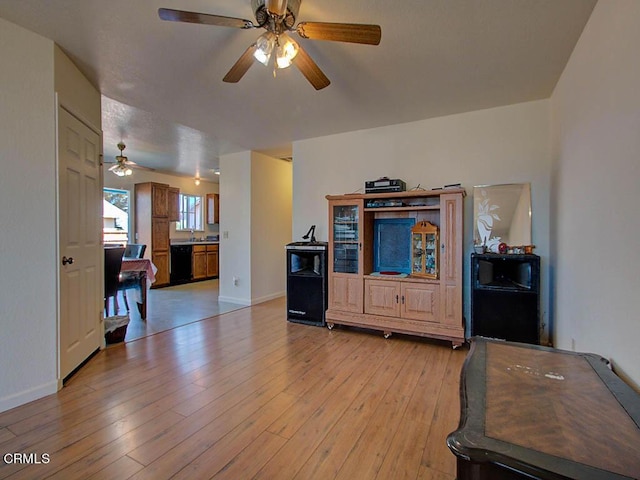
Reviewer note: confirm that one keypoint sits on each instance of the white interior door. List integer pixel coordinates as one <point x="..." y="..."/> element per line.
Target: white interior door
<point x="80" y="240"/>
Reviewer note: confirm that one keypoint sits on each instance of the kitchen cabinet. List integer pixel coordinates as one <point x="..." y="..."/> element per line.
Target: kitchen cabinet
<point x="213" y="208"/>
<point x="152" y="225"/>
<point x="426" y="303"/>
<point x="193" y="261"/>
<point x="174" y="204"/>
<point x="160" y="249"/>
<point x="161" y="261"/>
<point x="159" y="234"/>
<point x="212" y="261"/>
<point x="159" y="199"/>
<point x="199" y="266"/>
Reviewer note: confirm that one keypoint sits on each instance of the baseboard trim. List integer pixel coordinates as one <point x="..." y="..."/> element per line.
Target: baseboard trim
<point x="266" y="298"/>
<point x="253" y="301"/>
<point x="239" y="301"/>
<point x="20" y="398"/>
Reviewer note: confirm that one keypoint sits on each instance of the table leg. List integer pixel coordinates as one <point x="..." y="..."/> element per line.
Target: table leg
<point x="142" y="285"/>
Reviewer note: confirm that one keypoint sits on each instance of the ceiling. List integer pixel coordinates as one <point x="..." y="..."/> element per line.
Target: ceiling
<point x="164" y="97"/>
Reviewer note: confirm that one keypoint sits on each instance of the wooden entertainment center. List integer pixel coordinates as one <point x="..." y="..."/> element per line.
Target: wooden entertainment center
<point x="400" y="303"/>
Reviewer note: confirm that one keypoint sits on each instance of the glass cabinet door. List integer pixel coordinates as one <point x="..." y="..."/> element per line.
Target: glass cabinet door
<point x="417" y="262"/>
<point x="424" y="250"/>
<point x="431" y="255"/>
<point x="346" y="238"/>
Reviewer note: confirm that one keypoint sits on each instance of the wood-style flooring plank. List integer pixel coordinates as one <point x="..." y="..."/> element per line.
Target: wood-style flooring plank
<point x="290" y="459"/>
<point x="426" y="473"/>
<point x="345" y="436"/>
<point x="100" y="431"/>
<point x="445" y="419"/>
<point x="119" y="470"/>
<point x="106" y="457"/>
<point x="36" y="411"/>
<point x="229" y="450"/>
<point x="253" y="368"/>
<point x="242" y="389"/>
<point x="6" y="434"/>
<point x="247" y="463"/>
<point x="381" y="427"/>
<point x="404" y="454"/>
<point x="188" y="450"/>
<point x="247" y="395"/>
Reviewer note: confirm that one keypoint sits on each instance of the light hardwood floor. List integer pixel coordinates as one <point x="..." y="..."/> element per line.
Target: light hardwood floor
<point x="247" y="395"/>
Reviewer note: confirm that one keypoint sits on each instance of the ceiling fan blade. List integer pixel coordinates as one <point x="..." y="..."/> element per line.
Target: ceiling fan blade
<point x="310" y="70"/>
<point x="117" y="165"/>
<point x="241" y="66"/>
<point x="340" y="32"/>
<point x="203" y="18"/>
<point x="135" y="166"/>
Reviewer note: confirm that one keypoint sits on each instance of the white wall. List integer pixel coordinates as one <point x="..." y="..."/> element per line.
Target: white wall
<point x="28" y="278"/>
<point x="75" y="92"/>
<point x="596" y="178"/>
<point x="235" y="228"/>
<point x="255" y="225"/>
<point x="500" y="145"/>
<point x="271" y="197"/>
<point x="185" y="184"/>
<point x="28" y="193"/>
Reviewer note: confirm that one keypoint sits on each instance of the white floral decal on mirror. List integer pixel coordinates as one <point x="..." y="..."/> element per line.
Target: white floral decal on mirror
<point x="502" y="214"/>
<point x="486" y="216"/>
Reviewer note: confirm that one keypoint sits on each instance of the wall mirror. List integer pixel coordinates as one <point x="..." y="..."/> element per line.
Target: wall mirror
<point x="502" y="214"/>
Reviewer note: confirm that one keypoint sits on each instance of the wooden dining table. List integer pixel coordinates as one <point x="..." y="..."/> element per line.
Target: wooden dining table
<point x="146" y="276"/>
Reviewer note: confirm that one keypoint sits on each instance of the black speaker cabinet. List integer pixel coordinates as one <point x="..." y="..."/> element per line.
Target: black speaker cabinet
<point x="505" y="297"/>
<point x="307" y="282"/>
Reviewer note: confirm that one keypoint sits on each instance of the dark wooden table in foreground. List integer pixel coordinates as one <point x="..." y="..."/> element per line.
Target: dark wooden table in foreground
<point x="536" y="412"/>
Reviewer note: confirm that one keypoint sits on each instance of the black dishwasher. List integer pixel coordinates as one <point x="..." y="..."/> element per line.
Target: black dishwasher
<point x="180" y="264"/>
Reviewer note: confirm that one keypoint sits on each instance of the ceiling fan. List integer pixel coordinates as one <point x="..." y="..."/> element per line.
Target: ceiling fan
<point x="123" y="166"/>
<point x="278" y="17"/>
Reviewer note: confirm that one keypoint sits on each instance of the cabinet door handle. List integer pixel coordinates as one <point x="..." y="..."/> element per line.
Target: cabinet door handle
<point x="403" y="299"/>
<point x="396" y="298"/>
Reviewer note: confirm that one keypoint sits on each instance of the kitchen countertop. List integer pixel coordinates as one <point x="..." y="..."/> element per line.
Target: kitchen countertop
<point x="197" y="242"/>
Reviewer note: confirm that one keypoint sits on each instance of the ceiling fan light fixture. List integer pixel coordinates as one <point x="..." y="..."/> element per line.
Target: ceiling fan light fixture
<point x="121" y="170"/>
<point x="276" y="7"/>
<point x="279" y="17"/>
<point x="286" y="51"/>
<point x="264" y="47"/>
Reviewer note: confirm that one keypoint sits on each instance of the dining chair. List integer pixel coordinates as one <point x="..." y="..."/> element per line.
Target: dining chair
<point x="135" y="250"/>
<point x="112" y="264"/>
<point x="131" y="279"/>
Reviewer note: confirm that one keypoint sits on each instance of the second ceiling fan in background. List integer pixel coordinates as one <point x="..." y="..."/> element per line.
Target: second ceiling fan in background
<point x="278" y="17"/>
